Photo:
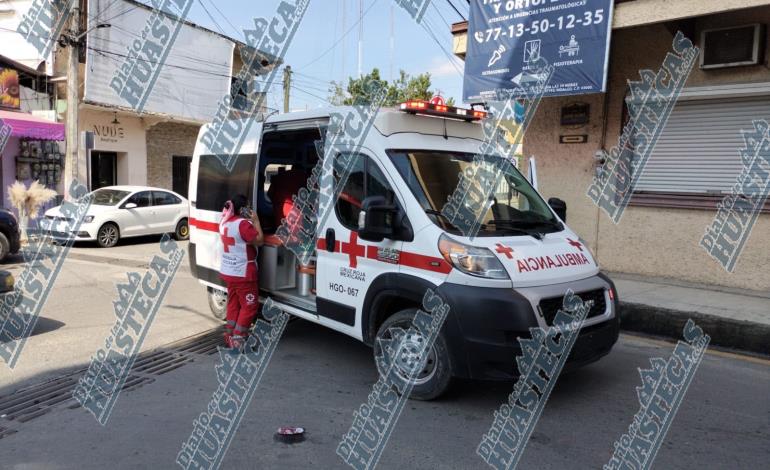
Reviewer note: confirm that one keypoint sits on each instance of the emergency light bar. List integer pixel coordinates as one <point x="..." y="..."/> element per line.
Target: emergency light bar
<point x="441" y="110"/>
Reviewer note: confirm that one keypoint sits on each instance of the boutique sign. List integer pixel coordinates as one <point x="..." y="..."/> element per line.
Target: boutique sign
<point x="506" y="38"/>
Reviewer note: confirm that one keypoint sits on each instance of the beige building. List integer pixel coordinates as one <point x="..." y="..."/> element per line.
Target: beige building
<point x="696" y="160"/>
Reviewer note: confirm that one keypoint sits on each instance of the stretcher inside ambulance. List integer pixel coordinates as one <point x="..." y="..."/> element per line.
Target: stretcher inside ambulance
<point x="366" y="277"/>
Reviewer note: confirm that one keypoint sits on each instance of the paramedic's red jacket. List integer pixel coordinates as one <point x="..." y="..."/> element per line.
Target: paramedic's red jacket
<point x="248" y="233"/>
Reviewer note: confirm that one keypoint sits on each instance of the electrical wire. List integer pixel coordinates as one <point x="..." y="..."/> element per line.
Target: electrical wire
<point x="456" y="10"/>
<point x="341" y="38"/>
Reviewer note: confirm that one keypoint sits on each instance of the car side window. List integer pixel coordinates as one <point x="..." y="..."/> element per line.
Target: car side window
<point x="141" y="199"/>
<point x="365" y="180"/>
<point x="162" y="198"/>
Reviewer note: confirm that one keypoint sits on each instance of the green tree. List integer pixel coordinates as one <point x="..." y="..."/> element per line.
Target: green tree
<point x="405" y="87"/>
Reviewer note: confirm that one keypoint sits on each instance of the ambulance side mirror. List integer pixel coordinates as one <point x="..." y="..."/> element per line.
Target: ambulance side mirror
<point x="559" y="206"/>
<point x="376" y="220"/>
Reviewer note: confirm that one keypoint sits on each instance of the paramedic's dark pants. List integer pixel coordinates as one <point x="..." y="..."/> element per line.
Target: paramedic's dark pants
<point x="242" y="306"/>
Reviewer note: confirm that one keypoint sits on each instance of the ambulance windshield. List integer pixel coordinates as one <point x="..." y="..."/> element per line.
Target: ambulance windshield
<point x="434" y="176"/>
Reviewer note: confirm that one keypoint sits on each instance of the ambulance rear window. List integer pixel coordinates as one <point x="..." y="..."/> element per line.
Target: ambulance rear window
<point x="216" y="185"/>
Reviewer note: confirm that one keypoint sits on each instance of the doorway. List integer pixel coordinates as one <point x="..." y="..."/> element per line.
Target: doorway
<point x="104" y="169"/>
<point x="180" y="174"/>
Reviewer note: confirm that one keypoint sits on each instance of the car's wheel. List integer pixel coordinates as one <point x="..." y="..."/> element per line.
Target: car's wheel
<point x="182" y="230"/>
<point x="108" y="235"/>
<point x="218" y="302"/>
<point x="5" y="246"/>
<point x="435" y="371"/>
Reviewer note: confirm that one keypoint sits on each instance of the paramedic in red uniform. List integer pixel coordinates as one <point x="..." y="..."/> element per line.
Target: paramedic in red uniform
<point x="241" y="234"/>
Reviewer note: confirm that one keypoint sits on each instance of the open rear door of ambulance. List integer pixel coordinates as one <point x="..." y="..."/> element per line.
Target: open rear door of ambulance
<point x="213" y="181"/>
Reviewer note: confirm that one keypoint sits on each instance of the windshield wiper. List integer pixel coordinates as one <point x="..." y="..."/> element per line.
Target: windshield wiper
<point x="548" y="223"/>
<point x="508" y="226"/>
<point x="440" y="214"/>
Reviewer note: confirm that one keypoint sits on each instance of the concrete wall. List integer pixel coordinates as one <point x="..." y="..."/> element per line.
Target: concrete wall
<point x="164" y="140"/>
<point x="648" y="241"/>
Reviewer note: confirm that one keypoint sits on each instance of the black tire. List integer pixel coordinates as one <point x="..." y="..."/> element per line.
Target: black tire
<point x="108" y="235"/>
<point x="5" y="246"/>
<point x="182" y="231"/>
<point x="436" y="375"/>
<point x="218" y="303"/>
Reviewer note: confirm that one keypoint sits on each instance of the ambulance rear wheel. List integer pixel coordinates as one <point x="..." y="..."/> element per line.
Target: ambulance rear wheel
<point x="435" y="372"/>
<point x="218" y="302"/>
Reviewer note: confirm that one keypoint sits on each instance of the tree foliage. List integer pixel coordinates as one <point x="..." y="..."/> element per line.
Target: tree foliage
<point x="361" y="90"/>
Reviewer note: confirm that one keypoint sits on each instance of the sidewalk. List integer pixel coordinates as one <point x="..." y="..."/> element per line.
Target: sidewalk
<point x="734" y="318"/>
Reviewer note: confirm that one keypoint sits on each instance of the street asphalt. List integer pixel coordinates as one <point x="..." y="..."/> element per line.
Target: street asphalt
<point x="318" y="377"/>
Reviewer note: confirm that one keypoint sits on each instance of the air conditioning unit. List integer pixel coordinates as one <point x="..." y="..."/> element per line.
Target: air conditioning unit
<point x="732" y="47"/>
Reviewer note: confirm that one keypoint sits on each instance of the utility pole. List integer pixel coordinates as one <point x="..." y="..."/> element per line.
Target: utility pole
<point x="286" y="87"/>
<point x="360" y="38"/>
<point x="392" y="43"/>
<point x="73" y="57"/>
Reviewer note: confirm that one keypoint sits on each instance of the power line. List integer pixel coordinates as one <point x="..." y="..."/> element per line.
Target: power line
<point x="208" y="13"/>
<point x="455" y="9"/>
<point x="336" y="43"/>
<point x="213" y="4"/>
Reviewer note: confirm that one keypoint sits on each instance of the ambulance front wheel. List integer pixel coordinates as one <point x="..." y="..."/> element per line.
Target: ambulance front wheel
<point x="218" y="302"/>
<point x="429" y="377"/>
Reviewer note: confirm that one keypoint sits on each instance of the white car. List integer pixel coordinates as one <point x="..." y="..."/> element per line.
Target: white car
<point x="129" y="211"/>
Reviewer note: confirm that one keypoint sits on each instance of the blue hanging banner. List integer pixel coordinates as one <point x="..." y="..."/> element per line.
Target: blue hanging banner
<point x="508" y="37"/>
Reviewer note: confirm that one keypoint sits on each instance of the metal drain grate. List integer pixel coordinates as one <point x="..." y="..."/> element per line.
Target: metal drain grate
<point x="34" y="401"/>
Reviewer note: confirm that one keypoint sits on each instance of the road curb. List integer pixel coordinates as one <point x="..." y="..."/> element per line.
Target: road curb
<point x="724" y="332"/>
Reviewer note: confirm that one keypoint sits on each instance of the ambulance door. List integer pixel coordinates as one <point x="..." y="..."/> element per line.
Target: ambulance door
<point x="347" y="265"/>
<point x="212" y="183"/>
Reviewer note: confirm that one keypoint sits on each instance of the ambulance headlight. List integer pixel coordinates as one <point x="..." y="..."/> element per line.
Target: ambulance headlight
<point x="473" y="260"/>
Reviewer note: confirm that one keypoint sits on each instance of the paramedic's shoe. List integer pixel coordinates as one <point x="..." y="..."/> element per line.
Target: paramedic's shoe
<point x="228" y="340"/>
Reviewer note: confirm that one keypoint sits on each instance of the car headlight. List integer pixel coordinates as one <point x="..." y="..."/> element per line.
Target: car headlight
<point x="473" y="260"/>
<point x="88" y="219"/>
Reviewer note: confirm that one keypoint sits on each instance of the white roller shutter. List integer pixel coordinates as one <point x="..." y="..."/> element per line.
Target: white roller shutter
<point x="698" y="149"/>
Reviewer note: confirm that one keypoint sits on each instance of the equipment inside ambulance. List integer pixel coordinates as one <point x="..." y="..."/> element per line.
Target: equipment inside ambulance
<point x="366" y="277"/>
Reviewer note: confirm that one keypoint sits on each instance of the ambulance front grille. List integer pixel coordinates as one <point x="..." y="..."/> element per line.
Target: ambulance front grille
<point x="549" y="307"/>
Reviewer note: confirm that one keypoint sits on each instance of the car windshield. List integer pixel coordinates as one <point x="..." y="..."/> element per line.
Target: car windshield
<point x="108" y="197"/>
<point x="516" y="208"/>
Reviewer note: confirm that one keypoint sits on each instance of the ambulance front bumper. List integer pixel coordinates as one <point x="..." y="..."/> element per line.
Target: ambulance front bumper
<point x="484" y="325"/>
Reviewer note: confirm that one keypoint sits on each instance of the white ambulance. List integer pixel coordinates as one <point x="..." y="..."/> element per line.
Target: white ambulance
<point x="509" y="278"/>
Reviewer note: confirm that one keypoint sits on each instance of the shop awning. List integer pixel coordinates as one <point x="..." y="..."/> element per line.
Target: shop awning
<point x="32" y="127"/>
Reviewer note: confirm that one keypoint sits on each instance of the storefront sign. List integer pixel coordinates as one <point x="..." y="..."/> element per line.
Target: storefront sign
<point x="507" y="37"/>
<point x="9" y="89"/>
<point x="111" y="133"/>
<point x="575" y="114"/>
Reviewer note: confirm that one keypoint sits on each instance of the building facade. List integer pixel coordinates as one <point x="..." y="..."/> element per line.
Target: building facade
<point x="150" y="146"/>
<point x="696" y="160"/>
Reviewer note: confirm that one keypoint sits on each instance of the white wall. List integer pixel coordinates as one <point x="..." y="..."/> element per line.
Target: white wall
<point x="128" y="139"/>
<point x="192" y="81"/>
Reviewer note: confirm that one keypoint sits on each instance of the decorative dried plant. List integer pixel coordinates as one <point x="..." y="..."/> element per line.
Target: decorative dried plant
<point x="28" y="202"/>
